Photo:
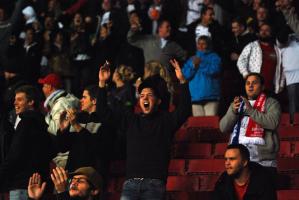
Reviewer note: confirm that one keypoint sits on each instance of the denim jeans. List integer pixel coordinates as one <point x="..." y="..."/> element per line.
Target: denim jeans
<point x="143" y="189"/>
<point x="18" y="194"/>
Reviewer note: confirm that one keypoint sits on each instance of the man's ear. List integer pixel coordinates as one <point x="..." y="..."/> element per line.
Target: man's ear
<point x="95" y="192"/>
<point x="245" y="163"/>
<point x="159" y="101"/>
<point x="31" y="103"/>
<point x="94" y="101"/>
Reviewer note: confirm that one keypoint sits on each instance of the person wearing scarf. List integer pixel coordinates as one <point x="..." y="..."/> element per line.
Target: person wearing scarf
<point x="253" y="121"/>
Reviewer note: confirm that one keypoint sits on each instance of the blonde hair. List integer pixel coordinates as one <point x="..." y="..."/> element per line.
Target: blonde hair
<point x="154" y="67"/>
<point x="126" y="73"/>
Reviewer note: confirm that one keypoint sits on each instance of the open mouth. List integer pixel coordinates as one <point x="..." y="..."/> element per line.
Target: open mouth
<point x="146" y="104"/>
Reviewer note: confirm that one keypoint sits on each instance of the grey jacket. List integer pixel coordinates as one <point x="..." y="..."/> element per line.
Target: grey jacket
<point x="151" y="46"/>
<point x="292" y="19"/>
<point x="268" y="120"/>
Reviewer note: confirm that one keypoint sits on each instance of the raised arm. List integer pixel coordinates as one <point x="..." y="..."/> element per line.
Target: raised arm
<point x="183" y="110"/>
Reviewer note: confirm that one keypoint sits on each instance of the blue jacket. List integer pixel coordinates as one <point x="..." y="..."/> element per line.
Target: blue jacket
<point x="204" y="82"/>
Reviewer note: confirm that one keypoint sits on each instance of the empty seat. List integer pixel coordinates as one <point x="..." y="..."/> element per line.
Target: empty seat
<point x="288" y="133"/>
<point x="189" y="195"/>
<point x="207" y="182"/>
<point x="288" y="165"/>
<point x="176" y="167"/>
<point x="285" y="119"/>
<point x="220" y="149"/>
<point x="195" y="150"/>
<point x="205" y="166"/>
<point x="182" y="183"/>
<point x="296" y="149"/>
<point x="210" y="122"/>
<point x="287" y="194"/>
<point x="285" y="149"/>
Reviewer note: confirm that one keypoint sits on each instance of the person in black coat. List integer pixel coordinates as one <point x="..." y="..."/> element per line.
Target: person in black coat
<point x="148" y="134"/>
<point x="30" y="148"/>
<point x="243" y="179"/>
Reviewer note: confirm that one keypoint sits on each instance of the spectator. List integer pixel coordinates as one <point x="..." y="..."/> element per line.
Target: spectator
<point x="156" y="47"/>
<point x="25" y="155"/>
<point x="262" y="56"/>
<point x="123" y="92"/>
<point x="85" y="183"/>
<point x="152" y="69"/>
<point x="31" y="57"/>
<point x="8" y="25"/>
<point x="207" y="26"/>
<point x="202" y="71"/>
<point x="243" y="179"/>
<point x="80" y="54"/>
<point x="290" y="62"/>
<point x="253" y="122"/>
<point x="57" y="101"/>
<point x="84" y="136"/>
<point x="154" y="13"/>
<point x="285" y="6"/>
<point x="148" y="135"/>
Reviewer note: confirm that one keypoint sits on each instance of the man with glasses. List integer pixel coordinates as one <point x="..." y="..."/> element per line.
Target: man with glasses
<point x="83" y="184"/>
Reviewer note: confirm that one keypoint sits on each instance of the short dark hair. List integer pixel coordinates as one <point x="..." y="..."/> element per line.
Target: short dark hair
<point x="241" y="21"/>
<point x="92" y="91"/>
<point x="258" y="75"/>
<point x="32" y="94"/>
<point x="243" y="150"/>
<point x="207" y="39"/>
<point x="162" y="21"/>
<point x="205" y="9"/>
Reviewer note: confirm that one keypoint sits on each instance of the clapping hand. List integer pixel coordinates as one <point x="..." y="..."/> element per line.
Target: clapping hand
<point x="35" y="187"/>
<point x="59" y="178"/>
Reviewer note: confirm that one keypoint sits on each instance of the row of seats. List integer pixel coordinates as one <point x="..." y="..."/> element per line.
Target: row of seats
<point x="281" y="194"/>
<point x="203" y="166"/>
<point x="288" y="149"/>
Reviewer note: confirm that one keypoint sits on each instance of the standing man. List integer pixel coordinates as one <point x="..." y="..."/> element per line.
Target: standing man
<point x="30" y="149"/>
<point x="253" y="121"/>
<point x="57" y="101"/>
<point x="262" y="56"/>
<point x="243" y="179"/>
<point x="148" y="135"/>
<point x="156" y="47"/>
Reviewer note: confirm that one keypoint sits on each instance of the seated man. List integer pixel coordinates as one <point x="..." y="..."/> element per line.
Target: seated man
<point x="253" y="122"/>
<point x="243" y="179"/>
<point x="84" y="184"/>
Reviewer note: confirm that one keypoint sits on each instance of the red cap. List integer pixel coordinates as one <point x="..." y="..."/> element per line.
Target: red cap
<point x="51" y="79"/>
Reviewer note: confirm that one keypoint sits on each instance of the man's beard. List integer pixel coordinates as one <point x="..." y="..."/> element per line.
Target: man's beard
<point x="266" y="39"/>
<point x="237" y="174"/>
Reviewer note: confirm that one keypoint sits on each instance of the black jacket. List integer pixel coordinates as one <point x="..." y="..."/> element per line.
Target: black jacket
<point x="148" y="137"/>
<point x="261" y="186"/>
<point x="29" y="152"/>
<point x="89" y="147"/>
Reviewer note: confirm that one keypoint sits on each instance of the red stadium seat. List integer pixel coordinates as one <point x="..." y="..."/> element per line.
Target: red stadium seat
<point x="205" y="166"/>
<point x="285" y="119"/>
<point x="176" y="167"/>
<point x="296" y="149"/>
<point x="210" y="122"/>
<point x="182" y="183"/>
<point x="288" y="165"/>
<point x="285" y="149"/>
<point x="289" y="132"/>
<point x="220" y="150"/>
<point x="195" y="150"/>
<point x="287" y="194"/>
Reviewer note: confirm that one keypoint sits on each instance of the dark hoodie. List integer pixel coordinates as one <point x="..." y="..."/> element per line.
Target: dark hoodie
<point x="30" y="152"/>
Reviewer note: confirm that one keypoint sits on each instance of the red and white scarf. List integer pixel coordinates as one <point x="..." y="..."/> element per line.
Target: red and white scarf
<point x="251" y="132"/>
